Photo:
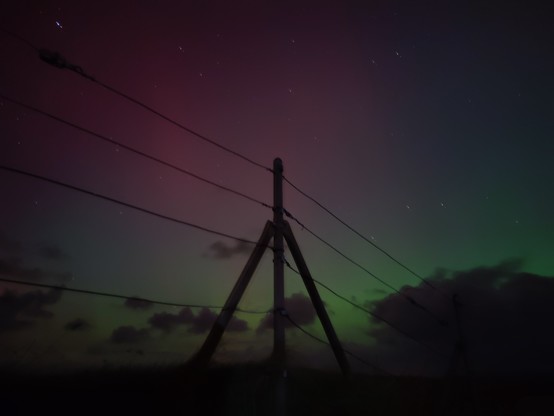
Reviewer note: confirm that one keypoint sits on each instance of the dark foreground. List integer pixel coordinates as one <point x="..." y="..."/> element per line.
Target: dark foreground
<point x="249" y="390"/>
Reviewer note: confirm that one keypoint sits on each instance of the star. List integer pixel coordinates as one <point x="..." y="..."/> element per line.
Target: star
<point x="59" y="24"/>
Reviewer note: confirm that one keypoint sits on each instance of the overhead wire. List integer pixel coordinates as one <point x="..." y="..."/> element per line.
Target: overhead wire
<point x="373" y="314"/>
<point x="403" y="295"/>
<point x="132" y="149"/>
<point x="367" y="240"/>
<point x="58" y="61"/>
<point x="20" y="38"/>
<point x="299" y="327"/>
<point x="118" y="296"/>
<point x="126" y="204"/>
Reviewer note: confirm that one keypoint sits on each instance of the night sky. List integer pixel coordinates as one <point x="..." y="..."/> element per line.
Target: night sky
<point x="427" y="126"/>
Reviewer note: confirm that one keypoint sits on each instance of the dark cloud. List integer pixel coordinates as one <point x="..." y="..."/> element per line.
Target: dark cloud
<point x="199" y="324"/>
<point x="505" y="315"/>
<point x="203" y="321"/>
<point x="237" y="325"/>
<point x="129" y="335"/>
<point x="19" y="311"/>
<point x="137" y="303"/>
<point x="221" y="250"/>
<point x="51" y="251"/>
<point x="168" y="322"/>
<point x="13" y="267"/>
<point x="47" y="250"/>
<point x="9" y="245"/>
<point x="300" y="309"/>
<point x="77" y="325"/>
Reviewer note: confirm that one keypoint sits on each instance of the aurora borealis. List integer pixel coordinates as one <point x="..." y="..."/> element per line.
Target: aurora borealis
<point x="426" y="126"/>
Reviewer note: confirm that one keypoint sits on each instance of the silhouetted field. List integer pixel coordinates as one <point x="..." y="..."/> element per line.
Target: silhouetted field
<point x="248" y="390"/>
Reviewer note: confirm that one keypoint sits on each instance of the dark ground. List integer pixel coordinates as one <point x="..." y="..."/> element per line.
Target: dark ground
<point x="248" y="390"/>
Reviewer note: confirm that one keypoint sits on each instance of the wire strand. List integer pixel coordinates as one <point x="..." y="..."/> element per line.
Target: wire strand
<point x="367" y="240"/>
<point x="181" y="126"/>
<point x="131" y="149"/>
<point x="118" y="296"/>
<point x="373" y="314"/>
<point x="19" y="38"/>
<point x="406" y="297"/>
<point x="57" y="60"/>
<point x="128" y="205"/>
<point x="327" y="343"/>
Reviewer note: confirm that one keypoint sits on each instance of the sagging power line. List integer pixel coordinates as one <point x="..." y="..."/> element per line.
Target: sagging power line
<point x="125" y="204"/>
<point x="56" y="60"/>
<point x="367" y="240"/>
<point x="373" y="314"/>
<point x="300" y="328"/>
<point x="118" y="296"/>
<point x="409" y="299"/>
<point x="132" y="149"/>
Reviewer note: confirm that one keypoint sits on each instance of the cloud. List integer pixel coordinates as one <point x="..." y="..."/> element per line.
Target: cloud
<point x="17" y="309"/>
<point x="300" y="309"/>
<point x="78" y="324"/>
<point x="137" y="303"/>
<point x="203" y="321"/>
<point x="51" y="251"/>
<point x="47" y="250"/>
<point x="505" y="316"/>
<point x="129" y="335"/>
<point x="9" y="245"/>
<point x="237" y="325"/>
<point x="221" y="250"/>
<point x="167" y="322"/>
<point x="198" y="324"/>
<point x="14" y="268"/>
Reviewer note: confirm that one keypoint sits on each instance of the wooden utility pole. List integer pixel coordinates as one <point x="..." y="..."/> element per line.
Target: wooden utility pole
<point x="458" y="385"/>
<point x="279" y="358"/>
<point x="279" y="230"/>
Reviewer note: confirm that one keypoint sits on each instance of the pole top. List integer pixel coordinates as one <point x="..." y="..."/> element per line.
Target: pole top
<point x="278" y="164"/>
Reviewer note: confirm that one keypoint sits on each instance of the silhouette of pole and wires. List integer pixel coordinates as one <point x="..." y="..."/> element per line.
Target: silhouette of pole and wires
<point x="278" y="230"/>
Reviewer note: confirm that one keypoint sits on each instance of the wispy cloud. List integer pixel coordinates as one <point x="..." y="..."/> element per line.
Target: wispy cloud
<point x="128" y="334"/>
<point x="13" y="267"/>
<point x="221" y="250"/>
<point x="19" y="311"/>
<point x="78" y="324"/>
